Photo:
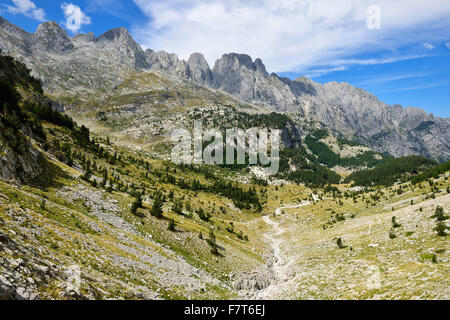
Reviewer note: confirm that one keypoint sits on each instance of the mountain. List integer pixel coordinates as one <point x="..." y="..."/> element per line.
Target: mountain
<point x="88" y="212"/>
<point x="85" y="64"/>
<point x="345" y="109"/>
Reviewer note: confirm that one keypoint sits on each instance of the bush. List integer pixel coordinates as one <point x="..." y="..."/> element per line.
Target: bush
<point x="392" y="234"/>
<point x="395" y="224"/>
<point x="340" y="244"/>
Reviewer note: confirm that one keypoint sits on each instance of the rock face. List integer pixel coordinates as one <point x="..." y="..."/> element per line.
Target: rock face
<point x="200" y="71"/>
<point x="128" y="50"/>
<point x="358" y="114"/>
<point x="238" y="75"/>
<point x="169" y="62"/>
<point x="50" y="37"/>
<point x="94" y="65"/>
<point x="21" y="165"/>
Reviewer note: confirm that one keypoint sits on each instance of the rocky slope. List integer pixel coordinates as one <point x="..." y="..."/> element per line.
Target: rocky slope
<point x="88" y="64"/>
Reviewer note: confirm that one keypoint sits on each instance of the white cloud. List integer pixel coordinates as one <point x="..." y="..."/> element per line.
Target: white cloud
<point x="389" y="78"/>
<point x="419" y="87"/>
<point x="28" y="8"/>
<point x="428" y="46"/>
<point x="75" y="18"/>
<point x="290" y="35"/>
<point x="317" y="72"/>
<point x="448" y="45"/>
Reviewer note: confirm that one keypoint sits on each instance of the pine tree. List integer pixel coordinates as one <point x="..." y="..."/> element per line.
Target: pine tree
<point x="202" y="215"/>
<point x="134" y="208"/>
<point x="177" y="207"/>
<point x="156" y="210"/>
<point x="212" y="243"/>
<point x="439" y="214"/>
<point x="87" y="171"/>
<point x="105" y="178"/>
<point x="171" y="226"/>
<point x="441" y="228"/>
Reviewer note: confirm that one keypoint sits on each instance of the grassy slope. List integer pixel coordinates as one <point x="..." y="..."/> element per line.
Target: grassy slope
<point x="65" y="219"/>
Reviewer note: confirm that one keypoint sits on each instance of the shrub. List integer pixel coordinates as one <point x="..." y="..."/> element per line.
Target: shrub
<point x="339" y="243"/>
<point x="392" y="234"/>
<point x="395" y="224"/>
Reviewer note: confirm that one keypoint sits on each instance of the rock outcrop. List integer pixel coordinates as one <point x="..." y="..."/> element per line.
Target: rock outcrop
<point x="168" y="62"/>
<point x="200" y="71"/>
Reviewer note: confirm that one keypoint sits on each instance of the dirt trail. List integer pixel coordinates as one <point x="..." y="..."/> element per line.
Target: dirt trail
<point x="282" y="260"/>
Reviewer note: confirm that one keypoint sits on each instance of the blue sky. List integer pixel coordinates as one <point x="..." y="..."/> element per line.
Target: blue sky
<point x="398" y="50"/>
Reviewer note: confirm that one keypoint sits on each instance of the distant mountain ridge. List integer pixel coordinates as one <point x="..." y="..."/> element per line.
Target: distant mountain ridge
<point x="88" y="64"/>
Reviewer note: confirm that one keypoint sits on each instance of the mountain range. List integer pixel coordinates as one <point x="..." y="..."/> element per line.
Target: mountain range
<point x="86" y="65"/>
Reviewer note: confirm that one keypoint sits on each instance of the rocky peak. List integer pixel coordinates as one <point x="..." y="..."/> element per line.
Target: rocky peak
<point x="241" y="59"/>
<point x="235" y="61"/>
<point x="120" y="39"/>
<point x="301" y="86"/>
<point x="199" y="67"/>
<point x="8" y="27"/>
<point x="238" y="74"/>
<point x="118" y="35"/>
<point x="260" y="67"/>
<point x="13" y="39"/>
<point x="50" y="37"/>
